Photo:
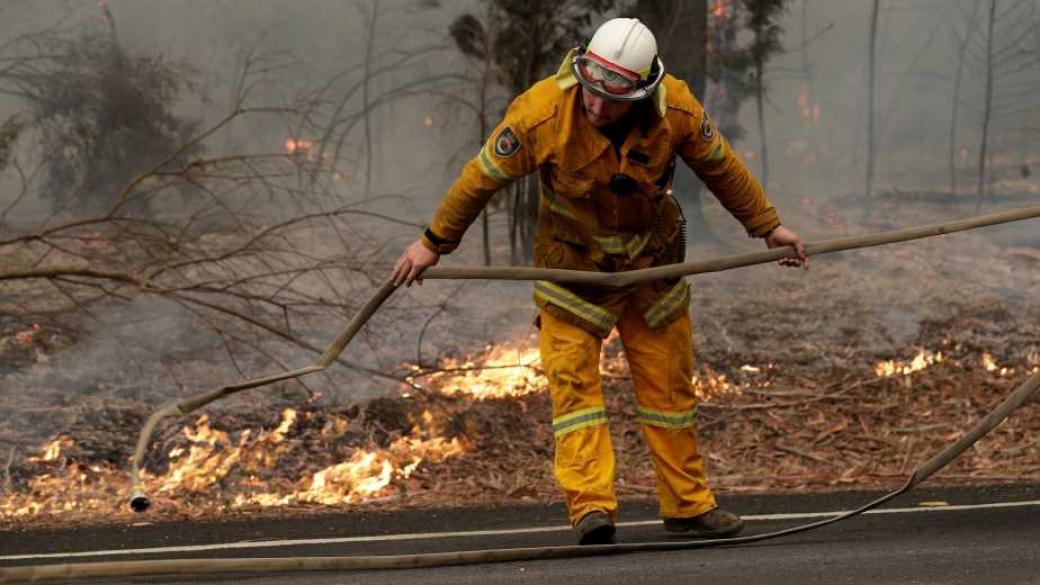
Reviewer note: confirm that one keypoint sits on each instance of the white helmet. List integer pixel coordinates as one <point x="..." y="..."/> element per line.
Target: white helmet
<point x="620" y="62"/>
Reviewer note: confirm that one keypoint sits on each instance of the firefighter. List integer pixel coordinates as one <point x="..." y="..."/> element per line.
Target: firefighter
<point x="603" y="134"/>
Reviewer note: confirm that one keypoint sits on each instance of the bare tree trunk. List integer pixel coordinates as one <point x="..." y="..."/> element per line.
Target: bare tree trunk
<point x="810" y="79"/>
<point x="952" y="163"/>
<point x="482" y="122"/>
<point x="760" y="106"/>
<point x="369" y="42"/>
<point x="513" y="210"/>
<point x="871" y="105"/>
<point x="524" y="217"/>
<point x="681" y="28"/>
<point x="486" y="225"/>
<point x="988" y="107"/>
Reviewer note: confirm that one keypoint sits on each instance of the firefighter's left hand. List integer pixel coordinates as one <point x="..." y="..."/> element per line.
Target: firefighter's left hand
<point x="782" y="236"/>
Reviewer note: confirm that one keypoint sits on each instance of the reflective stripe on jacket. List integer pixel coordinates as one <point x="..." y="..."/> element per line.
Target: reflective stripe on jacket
<point x="582" y="223"/>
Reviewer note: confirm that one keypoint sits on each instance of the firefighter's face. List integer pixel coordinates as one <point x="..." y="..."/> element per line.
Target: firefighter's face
<point x="602" y="111"/>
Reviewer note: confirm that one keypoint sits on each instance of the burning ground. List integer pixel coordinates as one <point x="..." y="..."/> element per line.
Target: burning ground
<point x="843" y="378"/>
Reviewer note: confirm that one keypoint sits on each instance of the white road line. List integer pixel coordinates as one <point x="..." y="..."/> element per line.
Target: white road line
<point x="437" y="535"/>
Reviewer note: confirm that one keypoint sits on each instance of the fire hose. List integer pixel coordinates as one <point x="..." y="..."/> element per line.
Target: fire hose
<point x="140" y="502"/>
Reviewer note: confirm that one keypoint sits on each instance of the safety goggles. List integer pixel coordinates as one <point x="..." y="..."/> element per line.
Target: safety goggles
<point x="613" y="82"/>
<point x="594" y="74"/>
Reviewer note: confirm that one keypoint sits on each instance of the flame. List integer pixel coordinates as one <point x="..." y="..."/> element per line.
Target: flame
<point x="211" y="460"/>
<point x="710" y="384"/>
<point x="48" y="491"/>
<point x="922" y="360"/>
<point x="721" y="9"/>
<point x="52" y="451"/>
<point x="210" y="467"/>
<point x="367" y="473"/>
<point x="508" y="370"/>
<point x="28" y="336"/>
<point x="497" y="372"/>
<point x="991" y="365"/>
<point x="212" y="455"/>
<point x="925" y="358"/>
<point x="428" y="121"/>
<point x="300" y="146"/>
<point x="809" y="109"/>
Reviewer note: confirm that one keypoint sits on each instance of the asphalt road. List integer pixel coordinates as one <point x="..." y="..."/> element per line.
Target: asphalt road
<point x="980" y="535"/>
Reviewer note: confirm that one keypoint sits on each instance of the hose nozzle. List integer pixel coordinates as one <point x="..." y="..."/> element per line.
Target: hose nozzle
<point x="139" y="502"/>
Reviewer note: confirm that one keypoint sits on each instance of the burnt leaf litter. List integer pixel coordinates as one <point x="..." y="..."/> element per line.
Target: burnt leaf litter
<point x="844" y="380"/>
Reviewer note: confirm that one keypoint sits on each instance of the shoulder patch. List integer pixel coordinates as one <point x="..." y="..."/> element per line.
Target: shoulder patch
<point x="506" y="143"/>
<point x="679" y="96"/>
<point x="707" y="129"/>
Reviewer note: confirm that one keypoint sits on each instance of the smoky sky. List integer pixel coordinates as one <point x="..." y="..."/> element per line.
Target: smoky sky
<point x="815" y="103"/>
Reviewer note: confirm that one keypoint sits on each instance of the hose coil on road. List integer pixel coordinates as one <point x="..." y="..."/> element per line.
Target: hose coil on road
<point x="139" y="501"/>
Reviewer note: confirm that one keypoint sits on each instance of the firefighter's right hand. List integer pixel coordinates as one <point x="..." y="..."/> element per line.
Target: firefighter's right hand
<point x="412" y="262"/>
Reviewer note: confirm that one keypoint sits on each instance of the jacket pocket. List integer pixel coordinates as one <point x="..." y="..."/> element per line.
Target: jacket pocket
<point x="572" y="187"/>
<point x="563" y="251"/>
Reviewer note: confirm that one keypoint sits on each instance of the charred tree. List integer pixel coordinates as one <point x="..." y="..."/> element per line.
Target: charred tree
<point x="872" y="92"/>
<point x="1001" y="51"/>
<point x="530" y="39"/>
<point x="737" y="69"/>
<point x="765" y="30"/>
<point x="238" y="257"/>
<point x="102" y="116"/>
<point x="681" y="28"/>
<point x="339" y="111"/>
<point x="962" y="48"/>
<point x="808" y="98"/>
<point x="366" y="80"/>
<point x="987" y="108"/>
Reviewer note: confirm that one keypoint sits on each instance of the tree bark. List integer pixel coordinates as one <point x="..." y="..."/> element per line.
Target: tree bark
<point x="956" y="98"/>
<point x="681" y="30"/>
<point x="482" y="122"/>
<point x="760" y="107"/>
<point x="871" y="106"/>
<point x="987" y="109"/>
<point x="369" y="42"/>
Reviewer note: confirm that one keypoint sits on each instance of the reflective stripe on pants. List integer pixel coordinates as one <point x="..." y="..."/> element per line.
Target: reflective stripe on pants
<point x="662" y="368"/>
<point x="584" y="463"/>
<point x="598" y="317"/>
<point x="666" y="406"/>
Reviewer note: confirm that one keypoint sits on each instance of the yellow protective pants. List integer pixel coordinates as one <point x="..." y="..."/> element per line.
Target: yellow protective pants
<point x="661" y="363"/>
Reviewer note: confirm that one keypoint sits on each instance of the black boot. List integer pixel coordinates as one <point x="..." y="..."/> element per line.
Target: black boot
<point x="596" y="527"/>
<point x="713" y="523"/>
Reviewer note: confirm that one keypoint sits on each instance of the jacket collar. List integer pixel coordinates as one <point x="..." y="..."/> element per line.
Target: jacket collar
<point x="578" y="142"/>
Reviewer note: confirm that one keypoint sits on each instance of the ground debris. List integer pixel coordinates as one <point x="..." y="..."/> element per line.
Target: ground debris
<point x="849" y="379"/>
<point x="764" y="429"/>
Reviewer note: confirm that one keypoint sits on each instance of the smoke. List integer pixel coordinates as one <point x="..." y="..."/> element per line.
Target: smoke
<point x="817" y="92"/>
<point x="309" y="54"/>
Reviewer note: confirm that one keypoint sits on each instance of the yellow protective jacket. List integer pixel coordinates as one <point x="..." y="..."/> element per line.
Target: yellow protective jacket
<point x="583" y="224"/>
